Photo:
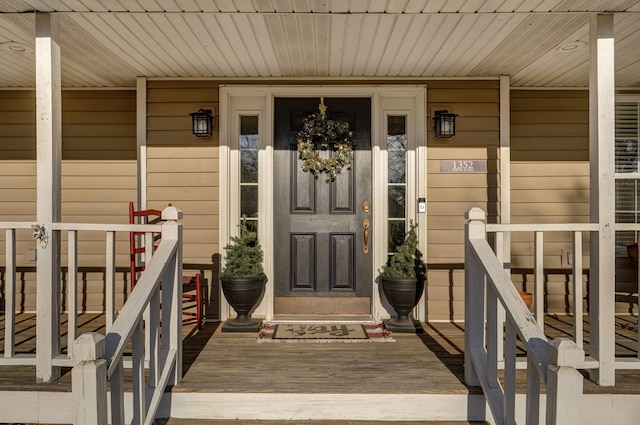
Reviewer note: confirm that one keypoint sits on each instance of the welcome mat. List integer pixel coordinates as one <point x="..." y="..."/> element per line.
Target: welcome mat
<point x="323" y="332"/>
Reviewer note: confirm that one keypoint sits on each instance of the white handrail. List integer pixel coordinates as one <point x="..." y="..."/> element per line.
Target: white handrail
<point x="538" y="230"/>
<point x="487" y="287"/>
<point x="517" y="313"/>
<point x="10" y="357"/>
<point x="133" y="321"/>
<point x="98" y="361"/>
<point x="132" y="311"/>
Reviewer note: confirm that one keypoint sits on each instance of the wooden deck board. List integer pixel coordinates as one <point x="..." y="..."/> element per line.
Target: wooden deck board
<point x="378" y="367"/>
<point x="228" y="363"/>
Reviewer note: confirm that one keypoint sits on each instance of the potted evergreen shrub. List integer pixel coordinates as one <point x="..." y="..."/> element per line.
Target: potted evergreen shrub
<point x="243" y="279"/>
<point x="402" y="280"/>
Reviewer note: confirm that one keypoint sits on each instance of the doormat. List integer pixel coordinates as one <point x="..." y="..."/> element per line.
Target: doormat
<point x="324" y="332"/>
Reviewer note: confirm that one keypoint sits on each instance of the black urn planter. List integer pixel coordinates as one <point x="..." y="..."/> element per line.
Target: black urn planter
<point x="403" y="294"/>
<point x="243" y="294"/>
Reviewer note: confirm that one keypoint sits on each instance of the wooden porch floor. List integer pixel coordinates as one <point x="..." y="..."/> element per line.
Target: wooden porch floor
<point x="431" y="363"/>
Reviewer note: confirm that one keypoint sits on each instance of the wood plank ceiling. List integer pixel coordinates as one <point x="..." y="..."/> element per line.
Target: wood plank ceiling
<point x="108" y="43"/>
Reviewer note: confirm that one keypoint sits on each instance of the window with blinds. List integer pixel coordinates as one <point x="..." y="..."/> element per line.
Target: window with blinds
<point x="627" y="163"/>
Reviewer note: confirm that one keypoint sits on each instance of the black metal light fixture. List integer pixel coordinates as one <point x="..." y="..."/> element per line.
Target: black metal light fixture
<point x="202" y="122"/>
<point x="445" y="124"/>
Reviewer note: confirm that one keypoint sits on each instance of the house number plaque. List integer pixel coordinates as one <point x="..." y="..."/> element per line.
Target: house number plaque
<point x="463" y="166"/>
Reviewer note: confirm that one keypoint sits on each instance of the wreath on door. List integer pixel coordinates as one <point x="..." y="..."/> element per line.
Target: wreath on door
<point x="320" y="134"/>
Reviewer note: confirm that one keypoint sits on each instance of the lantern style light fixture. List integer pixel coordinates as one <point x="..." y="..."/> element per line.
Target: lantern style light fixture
<point x="202" y="122"/>
<point x="445" y="124"/>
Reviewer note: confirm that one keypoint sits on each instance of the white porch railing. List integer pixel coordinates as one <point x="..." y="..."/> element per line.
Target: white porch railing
<point x="577" y="230"/>
<point x="487" y="286"/>
<point x="98" y="360"/>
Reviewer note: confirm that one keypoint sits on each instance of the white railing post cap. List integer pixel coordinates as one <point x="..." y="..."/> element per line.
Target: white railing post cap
<point x="475" y="213"/>
<point x="565" y="352"/>
<point x="171" y="213"/>
<point x="88" y="346"/>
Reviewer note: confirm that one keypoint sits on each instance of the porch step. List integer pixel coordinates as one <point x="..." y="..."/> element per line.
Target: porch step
<point x="176" y="421"/>
<point x="322" y="408"/>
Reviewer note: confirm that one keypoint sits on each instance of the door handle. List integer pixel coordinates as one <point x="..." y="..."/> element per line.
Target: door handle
<point x="365" y="225"/>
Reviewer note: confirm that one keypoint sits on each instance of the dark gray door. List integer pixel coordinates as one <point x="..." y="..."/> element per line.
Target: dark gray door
<point x="321" y="266"/>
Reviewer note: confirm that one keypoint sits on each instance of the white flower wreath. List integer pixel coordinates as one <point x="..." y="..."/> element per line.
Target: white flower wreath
<point x="320" y="133"/>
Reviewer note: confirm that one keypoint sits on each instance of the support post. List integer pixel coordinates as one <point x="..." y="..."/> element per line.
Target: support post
<point x="474" y="294"/>
<point x="172" y="293"/>
<point x="49" y="155"/>
<point x="505" y="168"/>
<point x="89" y="379"/>
<point x="564" y="383"/>
<point x="141" y="140"/>
<point x="602" y="196"/>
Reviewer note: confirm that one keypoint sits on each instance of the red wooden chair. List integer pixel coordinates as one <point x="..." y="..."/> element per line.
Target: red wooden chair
<point x="192" y="288"/>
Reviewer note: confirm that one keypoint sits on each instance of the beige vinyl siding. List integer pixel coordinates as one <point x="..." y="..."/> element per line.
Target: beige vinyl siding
<point x="183" y="169"/>
<point x="450" y="195"/>
<point x="549" y="182"/>
<point x="98" y="180"/>
<point x="18" y="184"/>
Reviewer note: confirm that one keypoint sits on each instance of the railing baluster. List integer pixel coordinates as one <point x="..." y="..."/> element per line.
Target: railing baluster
<point x="538" y="278"/>
<point x="72" y="289"/>
<point x="10" y="294"/>
<point x="117" y="395"/>
<point x="492" y="337"/>
<point x="510" y="374"/>
<point x="149" y="245"/>
<point x="139" y="400"/>
<point x="578" y="325"/>
<point x="110" y="279"/>
<point x="153" y="337"/>
<point x="533" y="392"/>
<point x="500" y="317"/>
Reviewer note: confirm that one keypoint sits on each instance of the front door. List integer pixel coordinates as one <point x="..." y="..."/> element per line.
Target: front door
<point x="322" y="251"/>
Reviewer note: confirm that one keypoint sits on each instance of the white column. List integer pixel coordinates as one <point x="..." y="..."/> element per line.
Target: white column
<point x="49" y="155"/>
<point x="503" y="240"/>
<point x="141" y="140"/>
<point x="505" y="166"/>
<point x="602" y="195"/>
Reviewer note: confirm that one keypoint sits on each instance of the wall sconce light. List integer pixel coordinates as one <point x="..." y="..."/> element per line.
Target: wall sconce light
<point x="445" y="124"/>
<point x="202" y="121"/>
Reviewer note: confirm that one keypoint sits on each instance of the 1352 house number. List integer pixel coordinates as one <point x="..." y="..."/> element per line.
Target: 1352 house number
<point x="463" y="166"/>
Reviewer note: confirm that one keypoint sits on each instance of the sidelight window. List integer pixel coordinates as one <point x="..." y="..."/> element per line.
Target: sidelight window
<point x="249" y="143"/>
<point x="397" y="180"/>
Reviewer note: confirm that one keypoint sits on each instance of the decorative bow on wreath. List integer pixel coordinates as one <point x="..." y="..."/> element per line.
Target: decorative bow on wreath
<point x="318" y="133"/>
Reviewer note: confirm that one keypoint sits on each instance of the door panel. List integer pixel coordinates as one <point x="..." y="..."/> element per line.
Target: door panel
<point x="319" y="238"/>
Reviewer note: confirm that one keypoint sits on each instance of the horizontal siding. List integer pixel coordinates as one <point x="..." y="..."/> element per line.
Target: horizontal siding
<point x="184" y="169"/>
<point x="550" y="165"/>
<point x="98" y="178"/>
<point x="17" y="127"/>
<point x="99" y="125"/>
<point x="450" y="195"/>
<point x="549" y="181"/>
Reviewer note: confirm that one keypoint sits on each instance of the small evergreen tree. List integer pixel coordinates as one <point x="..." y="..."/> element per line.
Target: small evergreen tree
<point x="244" y="254"/>
<point x="407" y="261"/>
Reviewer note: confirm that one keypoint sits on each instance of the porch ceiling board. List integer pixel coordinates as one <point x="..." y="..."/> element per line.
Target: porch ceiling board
<point x="108" y="43"/>
<point x="627" y="52"/>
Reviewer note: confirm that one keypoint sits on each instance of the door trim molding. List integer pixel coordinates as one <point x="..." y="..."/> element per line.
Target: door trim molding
<point x="237" y="100"/>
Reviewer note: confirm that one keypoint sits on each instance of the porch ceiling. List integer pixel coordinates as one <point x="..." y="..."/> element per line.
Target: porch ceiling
<point x="108" y="43"/>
